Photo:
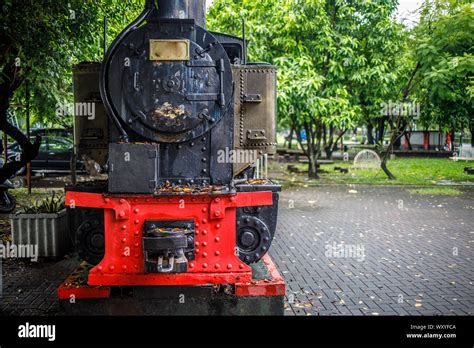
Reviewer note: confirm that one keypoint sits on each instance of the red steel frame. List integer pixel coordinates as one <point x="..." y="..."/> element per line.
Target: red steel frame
<point x="274" y="285"/>
<point x="215" y="226"/>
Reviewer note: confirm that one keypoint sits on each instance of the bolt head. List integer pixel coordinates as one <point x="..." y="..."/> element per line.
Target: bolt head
<point x="247" y="239"/>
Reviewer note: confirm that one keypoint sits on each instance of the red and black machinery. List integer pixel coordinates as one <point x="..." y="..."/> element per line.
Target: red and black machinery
<point x="182" y="127"/>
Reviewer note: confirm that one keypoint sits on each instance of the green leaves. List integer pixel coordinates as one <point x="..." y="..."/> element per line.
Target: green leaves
<point x="47" y="38"/>
<point x="443" y="44"/>
<point x="329" y="53"/>
<point x="50" y="205"/>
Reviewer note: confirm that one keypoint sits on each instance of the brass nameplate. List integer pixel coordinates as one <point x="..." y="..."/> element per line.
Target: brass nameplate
<point x="169" y="50"/>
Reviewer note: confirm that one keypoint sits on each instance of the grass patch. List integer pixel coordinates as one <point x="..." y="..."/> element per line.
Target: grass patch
<point x="408" y="171"/>
<point x="436" y="191"/>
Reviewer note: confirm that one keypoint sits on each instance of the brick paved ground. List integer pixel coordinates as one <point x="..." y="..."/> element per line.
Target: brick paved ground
<point x="418" y="252"/>
<point x="417" y="256"/>
<point x="31" y="289"/>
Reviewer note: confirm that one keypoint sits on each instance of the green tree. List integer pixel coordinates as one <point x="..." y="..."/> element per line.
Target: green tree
<point x="331" y="56"/>
<point x="383" y="50"/>
<point x="39" y="43"/>
<point x="445" y="49"/>
<point x="442" y="68"/>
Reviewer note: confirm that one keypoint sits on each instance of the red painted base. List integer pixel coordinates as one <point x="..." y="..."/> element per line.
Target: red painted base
<point x="270" y="287"/>
<point x="214" y="216"/>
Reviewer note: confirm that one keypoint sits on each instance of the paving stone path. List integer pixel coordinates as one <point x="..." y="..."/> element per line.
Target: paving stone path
<point x="376" y="251"/>
<point x="342" y="251"/>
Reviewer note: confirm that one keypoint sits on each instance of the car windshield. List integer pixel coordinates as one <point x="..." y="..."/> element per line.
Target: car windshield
<point x="47" y="143"/>
<point x="59" y="144"/>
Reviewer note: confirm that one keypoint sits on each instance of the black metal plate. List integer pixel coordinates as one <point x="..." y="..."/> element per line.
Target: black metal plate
<point x="133" y="168"/>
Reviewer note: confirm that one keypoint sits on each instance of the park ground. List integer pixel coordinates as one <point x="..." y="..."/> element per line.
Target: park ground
<point x="426" y="172"/>
<point x="407" y="247"/>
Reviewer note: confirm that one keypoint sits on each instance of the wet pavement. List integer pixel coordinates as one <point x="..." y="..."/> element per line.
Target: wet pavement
<point x="342" y="251"/>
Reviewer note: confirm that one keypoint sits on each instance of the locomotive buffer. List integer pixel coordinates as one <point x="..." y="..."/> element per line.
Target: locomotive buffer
<point x="183" y="223"/>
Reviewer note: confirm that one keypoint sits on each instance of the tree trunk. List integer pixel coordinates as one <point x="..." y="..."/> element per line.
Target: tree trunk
<point x="398" y="144"/>
<point x="384" y="167"/>
<point x="453" y="138"/>
<point x="290" y="138"/>
<point x="408" y="136"/>
<point x="313" y="150"/>
<point x="472" y="135"/>
<point x="329" y="144"/>
<point x="370" y="134"/>
<point x="313" y="166"/>
<point x="10" y="84"/>
<point x="396" y="130"/>
<point x="330" y="150"/>
<point x="381" y="131"/>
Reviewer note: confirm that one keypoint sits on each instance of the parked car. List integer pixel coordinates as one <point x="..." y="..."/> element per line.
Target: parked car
<point x="53" y="132"/>
<point x="54" y="154"/>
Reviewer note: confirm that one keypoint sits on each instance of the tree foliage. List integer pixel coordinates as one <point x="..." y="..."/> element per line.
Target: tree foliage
<point x="336" y="59"/>
<point x="40" y="41"/>
<point x="444" y="49"/>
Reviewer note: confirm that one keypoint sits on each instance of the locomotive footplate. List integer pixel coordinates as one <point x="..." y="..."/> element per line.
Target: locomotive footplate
<point x="263" y="295"/>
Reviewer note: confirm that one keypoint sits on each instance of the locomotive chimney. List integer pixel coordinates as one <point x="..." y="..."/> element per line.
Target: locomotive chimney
<point x="183" y="9"/>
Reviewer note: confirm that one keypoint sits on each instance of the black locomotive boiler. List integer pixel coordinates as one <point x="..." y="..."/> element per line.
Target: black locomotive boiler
<point x="182" y="127"/>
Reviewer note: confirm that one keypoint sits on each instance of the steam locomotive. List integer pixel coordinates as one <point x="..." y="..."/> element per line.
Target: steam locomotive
<point x="182" y="126"/>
